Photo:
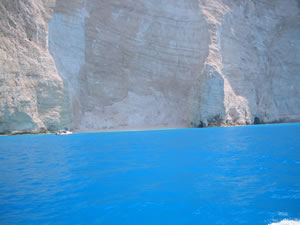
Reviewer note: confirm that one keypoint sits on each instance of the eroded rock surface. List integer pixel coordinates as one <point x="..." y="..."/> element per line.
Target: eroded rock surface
<point x="253" y="69"/>
<point x="32" y="93"/>
<point x="101" y="64"/>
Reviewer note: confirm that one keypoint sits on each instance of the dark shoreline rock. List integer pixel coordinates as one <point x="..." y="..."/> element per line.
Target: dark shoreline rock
<point x="24" y="132"/>
<point x="109" y="130"/>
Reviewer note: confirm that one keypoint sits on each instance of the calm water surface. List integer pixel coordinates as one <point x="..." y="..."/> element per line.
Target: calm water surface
<point x="237" y="175"/>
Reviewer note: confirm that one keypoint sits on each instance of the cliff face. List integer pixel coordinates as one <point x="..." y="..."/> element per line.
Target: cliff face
<point x="32" y="93"/>
<point x="253" y="65"/>
<point x="90" y="64"/>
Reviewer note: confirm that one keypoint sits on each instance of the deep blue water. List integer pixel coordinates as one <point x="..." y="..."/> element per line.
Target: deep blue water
<point x="236" y="175"/>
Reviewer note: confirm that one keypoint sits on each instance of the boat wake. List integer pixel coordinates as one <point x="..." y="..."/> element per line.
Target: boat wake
<point x="287" y="222"/>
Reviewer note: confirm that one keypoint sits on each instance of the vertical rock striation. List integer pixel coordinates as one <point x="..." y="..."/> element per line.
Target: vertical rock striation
<point x="32" y="94"/>
<point x="253" y="66"/>
<point x="100" y="64"/>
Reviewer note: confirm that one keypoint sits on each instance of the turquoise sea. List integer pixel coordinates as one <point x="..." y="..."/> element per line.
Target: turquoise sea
<point x="235" y="175"/>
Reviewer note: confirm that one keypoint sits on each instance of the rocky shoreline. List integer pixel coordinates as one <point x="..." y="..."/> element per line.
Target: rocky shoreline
<point x="134" y="129"/>
<point x="89" y="64"/>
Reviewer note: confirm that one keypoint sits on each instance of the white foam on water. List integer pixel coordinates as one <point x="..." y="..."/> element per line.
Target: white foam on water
<point x="287" y="222"/>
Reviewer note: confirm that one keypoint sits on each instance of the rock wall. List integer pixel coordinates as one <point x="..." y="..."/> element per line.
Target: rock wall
<point x="32" y="93"/>
<point x="253" y="68"/>
<point x="102" y="64"/>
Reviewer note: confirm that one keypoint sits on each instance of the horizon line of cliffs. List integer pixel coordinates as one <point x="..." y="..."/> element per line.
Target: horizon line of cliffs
<point x="122" y="64"/>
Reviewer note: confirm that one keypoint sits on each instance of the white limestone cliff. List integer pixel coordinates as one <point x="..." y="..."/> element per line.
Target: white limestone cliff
<point x="253" y="64"/>
<point x="103" y="64"/>
<point x="32" y="93"/>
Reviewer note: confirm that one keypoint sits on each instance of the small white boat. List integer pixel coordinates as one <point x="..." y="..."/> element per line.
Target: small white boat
<point x="64" y="132"/>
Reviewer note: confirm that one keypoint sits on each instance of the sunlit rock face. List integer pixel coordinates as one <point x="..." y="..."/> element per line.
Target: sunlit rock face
<point x="135" y="64"/>
<point x="253" y="67"/>
<point x="102" y="64"/>
<point x="32" y="92"/>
